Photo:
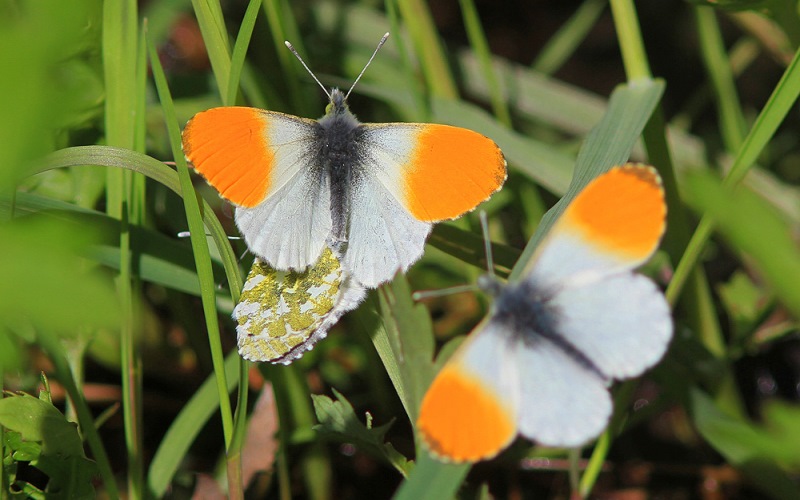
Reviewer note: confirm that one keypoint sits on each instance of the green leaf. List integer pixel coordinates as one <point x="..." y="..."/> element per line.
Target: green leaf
<point x="43" y="436"/>
<point x="37" y="420"/>
<point x="338" y="419"/>
<point x="405" y="344"/>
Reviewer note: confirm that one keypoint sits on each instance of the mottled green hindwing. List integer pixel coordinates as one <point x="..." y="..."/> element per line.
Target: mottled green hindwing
<point x="282" y="314"/>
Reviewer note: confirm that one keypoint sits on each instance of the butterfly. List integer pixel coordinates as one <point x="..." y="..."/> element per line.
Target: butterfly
<point x="369" y="191"/>
<point x="375" y="188"/>
<point x="540" y="365"/>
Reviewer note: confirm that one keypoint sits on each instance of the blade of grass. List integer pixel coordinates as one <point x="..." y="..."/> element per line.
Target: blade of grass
<point x="240" y="50"/>
<point x="720" y="73"/>
<point x="297" y="419"/>
<point x="120" y="63"/>
<point x="753" y="229"/>
<point x="428" y="47"/>
<point x="477" y="40"/>
<point x="215" y="37"/>
<point x="184" y="429"/>
<point x="127" y="159"/>
<point x="772" y="115"/>
<point x="420" y="107"/>
<point x="283" y="28"/>
<point x="432" y="479"/>
<point x="563" y="44"/>
<point x="200" y="248"/>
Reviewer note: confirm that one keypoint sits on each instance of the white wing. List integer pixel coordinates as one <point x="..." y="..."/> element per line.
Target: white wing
<point x="563" y="402"/>
<point x="622" y="323"/>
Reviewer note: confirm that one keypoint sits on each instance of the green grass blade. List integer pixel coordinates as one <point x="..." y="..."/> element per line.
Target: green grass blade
<point x="428" y="47"/>
<point x="283" y="28"/>
<point x="772" y="115"/>
<point x="212" y="26"/>
<point x="477" y="39"/>
<point x="199" y="244"/>
<point x="715" y="58"/>
<point x="126" y="159"/>
<point x="432" y="479"/>
<point x="630" y="40"/>
<point x="240" y="51"/>
<point x="120" y="62"/>
<point x="184" y="429"/>
<point x="563" y="44"/>
<point x="754" y="229"/>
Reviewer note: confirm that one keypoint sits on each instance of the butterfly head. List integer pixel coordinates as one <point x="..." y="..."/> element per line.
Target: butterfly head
<point x="490" y="284"/>
<point x="337" y="104"/>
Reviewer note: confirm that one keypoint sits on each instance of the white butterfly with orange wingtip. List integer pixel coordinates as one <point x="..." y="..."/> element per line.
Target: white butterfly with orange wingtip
<point x="580" y="318"/>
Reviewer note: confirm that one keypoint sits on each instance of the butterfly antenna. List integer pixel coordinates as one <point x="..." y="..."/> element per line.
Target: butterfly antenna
<point x="380" y="44"/>
<point x="429" y="294"/>
<point x="294" y="51"/>
<point x="487" y="243"/>
<point x="187" y="234"/>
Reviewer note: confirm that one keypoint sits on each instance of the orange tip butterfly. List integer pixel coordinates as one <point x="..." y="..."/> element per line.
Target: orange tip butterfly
<point x="372" y="191"/>
<point x="540" y="365"/>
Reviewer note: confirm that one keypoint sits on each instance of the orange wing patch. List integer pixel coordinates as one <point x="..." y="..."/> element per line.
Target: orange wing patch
<point x="623" y="210"/>
<point x="462" y="420"/>
<point x="451" y="171"/>
<point x="229" y="147"/>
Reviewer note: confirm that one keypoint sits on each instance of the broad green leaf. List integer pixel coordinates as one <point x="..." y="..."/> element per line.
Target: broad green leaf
<point x="37" y="420"/>
<point x="41" y="435"/>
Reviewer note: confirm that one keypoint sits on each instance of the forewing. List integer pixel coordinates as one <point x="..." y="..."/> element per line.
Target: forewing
<point x="435" y="172"/>
<point x="408" y="176"/>
<point x="265" y="163"/>
<point x="469" y="412"/>
<point x="614" y="224"/>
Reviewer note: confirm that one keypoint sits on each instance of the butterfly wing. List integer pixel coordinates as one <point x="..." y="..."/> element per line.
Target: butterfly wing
<point x="622" y="323"/>
<point x="409" y="176"/>
<point x="563" y="402"/>
<point x="614" y="224"/>
<point x="281" y="315"/>
<point x="469" y="412"/>
<point x="264" y="163"/>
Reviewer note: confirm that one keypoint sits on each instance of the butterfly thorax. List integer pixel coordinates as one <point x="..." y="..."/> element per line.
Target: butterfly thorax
<point x="526" y="309"/>
<point x="339" y="157"/>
